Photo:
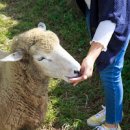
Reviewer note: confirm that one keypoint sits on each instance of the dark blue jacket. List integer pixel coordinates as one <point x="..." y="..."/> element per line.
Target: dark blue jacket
<point x="118" y="11"/>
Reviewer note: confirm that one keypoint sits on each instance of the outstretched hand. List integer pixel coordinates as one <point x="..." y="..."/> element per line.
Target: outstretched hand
<point x="85" y="72"/>
<point x="88" y="63"/>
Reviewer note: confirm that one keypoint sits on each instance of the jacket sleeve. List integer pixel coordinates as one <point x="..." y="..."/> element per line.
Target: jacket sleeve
<point x="114" y="10"/>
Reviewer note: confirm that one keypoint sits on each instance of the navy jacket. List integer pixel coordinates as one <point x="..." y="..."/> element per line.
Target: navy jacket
<point x="118" y="11"/>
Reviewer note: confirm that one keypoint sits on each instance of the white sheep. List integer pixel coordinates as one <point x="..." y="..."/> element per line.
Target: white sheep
<point x="35" y="56"/>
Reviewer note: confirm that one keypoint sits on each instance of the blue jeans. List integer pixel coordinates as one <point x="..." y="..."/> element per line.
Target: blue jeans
<point x="112" y="83"/>
<point x="113" y="87"/>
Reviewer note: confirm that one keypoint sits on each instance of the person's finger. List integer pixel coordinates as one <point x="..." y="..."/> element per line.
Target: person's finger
<point x="84" y="77"/>
<point x="77" y="80"/>
<point x="73" y="80"/>
<point x="74" y="84"/>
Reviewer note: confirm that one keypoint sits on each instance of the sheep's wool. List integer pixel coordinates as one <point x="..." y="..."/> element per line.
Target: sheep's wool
<point x="43" y="39"/>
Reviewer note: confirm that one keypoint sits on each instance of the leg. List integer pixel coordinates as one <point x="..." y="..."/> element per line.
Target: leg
<point x="112" y="83"/>
<point x="113" y="87"/>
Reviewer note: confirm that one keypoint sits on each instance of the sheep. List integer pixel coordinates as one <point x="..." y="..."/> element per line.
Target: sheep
<point x="35" y="56"/>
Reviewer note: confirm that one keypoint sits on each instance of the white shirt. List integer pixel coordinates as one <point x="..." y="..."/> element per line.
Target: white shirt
<point x="88" y="2"/>
<point x="104" y="31"/>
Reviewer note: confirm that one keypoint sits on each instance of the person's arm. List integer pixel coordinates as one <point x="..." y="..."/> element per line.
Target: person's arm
<point x="104" y="33"/>
<point x="99" y="43"/>
<point x="88" y="63"/>
<point x="94" y="50"/>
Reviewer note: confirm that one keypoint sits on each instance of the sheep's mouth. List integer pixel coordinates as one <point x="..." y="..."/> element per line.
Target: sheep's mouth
<point x="76" y="76"/>
<point x="70" y="77"/>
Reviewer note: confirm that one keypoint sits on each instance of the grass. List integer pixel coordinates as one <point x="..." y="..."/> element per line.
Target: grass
<point x="69" y="106"/>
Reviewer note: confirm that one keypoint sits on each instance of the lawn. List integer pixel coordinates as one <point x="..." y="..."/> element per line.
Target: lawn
<point x="68" y="106"/>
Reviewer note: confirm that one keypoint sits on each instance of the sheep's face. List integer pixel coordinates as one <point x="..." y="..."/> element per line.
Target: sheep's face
<point x="47" y="54"/>
<point x="52" y="59"/>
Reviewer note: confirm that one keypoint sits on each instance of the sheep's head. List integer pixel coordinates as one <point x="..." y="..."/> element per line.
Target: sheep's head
<point x="45" y="51"/>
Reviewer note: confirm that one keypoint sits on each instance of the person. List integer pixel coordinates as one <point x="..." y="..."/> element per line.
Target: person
<point x="109" y="24"/>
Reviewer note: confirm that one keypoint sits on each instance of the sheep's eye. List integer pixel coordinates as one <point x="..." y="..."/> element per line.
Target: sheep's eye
<point x="41" y="58"/>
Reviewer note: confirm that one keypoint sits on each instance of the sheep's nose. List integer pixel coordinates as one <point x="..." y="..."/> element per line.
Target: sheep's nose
<point x="77" y="72"/>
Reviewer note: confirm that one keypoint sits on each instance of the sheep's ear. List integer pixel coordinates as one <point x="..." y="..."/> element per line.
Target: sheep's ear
<point x="42" y="26"/>
<point x="16" y="56"/>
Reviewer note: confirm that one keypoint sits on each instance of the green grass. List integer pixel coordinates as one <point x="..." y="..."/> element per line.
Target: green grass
<point x="69" y="106"/>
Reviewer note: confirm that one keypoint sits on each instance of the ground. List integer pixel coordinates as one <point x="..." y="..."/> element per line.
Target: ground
<point x="69" y="106"/>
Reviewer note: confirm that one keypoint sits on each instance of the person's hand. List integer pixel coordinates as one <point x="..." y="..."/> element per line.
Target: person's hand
<point x="88" y="63"/>
<point x="85" y="72"/>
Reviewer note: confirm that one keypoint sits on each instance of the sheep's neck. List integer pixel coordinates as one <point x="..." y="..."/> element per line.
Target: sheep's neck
<point x="25" y="95"/>
<point x="29" y="78"/>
